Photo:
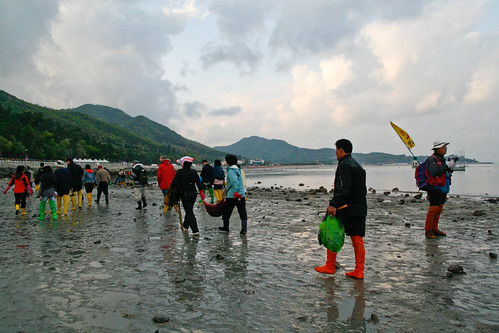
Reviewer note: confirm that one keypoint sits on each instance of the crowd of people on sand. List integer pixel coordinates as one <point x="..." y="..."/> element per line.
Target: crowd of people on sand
<point x="348" y="204"/>
<point x="68" y="180"/>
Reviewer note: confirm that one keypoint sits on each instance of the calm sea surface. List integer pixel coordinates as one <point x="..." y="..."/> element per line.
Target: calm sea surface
<point x="482" y="179"/>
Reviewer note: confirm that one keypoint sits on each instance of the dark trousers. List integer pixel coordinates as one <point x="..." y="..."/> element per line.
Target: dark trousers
<point x="89" y="187"/>
<point x="102" y="188"/>
<point x="20" y="199"/>
<point x="436" y="198"/>
<point x="229" y="205"/>
<point x="354" y="225"/>
<point x="188" y="201"/>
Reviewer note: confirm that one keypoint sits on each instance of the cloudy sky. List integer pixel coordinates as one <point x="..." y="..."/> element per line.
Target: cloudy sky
<point x="304" y="71"/>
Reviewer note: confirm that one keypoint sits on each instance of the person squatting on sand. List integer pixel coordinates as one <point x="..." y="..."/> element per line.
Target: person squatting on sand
<point x="103" y="179"/>
<point x="187" y="179"/>
<point x="76" y="189"/>
<point x="439" y="175"/>
<point x="349" y="189"/>
<point x="21" y="189"/>
<point x="48" y="185"/>
<point x="139" y="178"/>
<point x="64" y="183"/>
<point x="88" y="179"/>
<point x="165" y="174"/>
<point x="236" y="196"/>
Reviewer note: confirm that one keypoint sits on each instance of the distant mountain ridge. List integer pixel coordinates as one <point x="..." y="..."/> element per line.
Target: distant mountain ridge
<point x="281" y="152"/>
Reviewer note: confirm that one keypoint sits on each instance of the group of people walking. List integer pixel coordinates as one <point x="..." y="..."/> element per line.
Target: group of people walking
<point x="348" y="204"/>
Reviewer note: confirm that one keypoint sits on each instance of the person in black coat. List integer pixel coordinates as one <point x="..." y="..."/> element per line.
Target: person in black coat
<point x="349" y="204"/>
<point x="76" y="175"/>
<point x="187" y="180"/>
<point x="64" y="186"/>
<point x="207" y="178"/>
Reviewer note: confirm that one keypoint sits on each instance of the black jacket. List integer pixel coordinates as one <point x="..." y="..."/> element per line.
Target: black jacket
<point x="207" y="174"/>
<point x="76" y="174"/>
<point x="186" y="179"/>
<point x="350" y="187"/>
<point x="64" y="179"/>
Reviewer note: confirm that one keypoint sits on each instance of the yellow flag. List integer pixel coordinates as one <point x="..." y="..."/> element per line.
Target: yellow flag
<point x="404" y="136"/>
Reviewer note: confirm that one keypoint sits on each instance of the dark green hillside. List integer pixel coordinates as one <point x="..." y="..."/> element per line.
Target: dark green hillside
<point x="279" y="151"/>
<point x="148" y="129"/>
<point x="44" y="133"/>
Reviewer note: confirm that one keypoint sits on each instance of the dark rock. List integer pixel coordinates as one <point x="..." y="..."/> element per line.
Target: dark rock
<point x="395" y="189"/>
<point x="493" y="200"/>
<point x="418" y="196"/>
<point x="407" y="224"/>
<point x="386" y="193"/>
<point x="160" y="319"/>
<point x="449" y="274"/>
<point x="337" y="265"/>
<point x="401" y="202"/>
<point x="220" y="257"/>
<point x="97" y="242"/>
<point x="380" y="200"/>
<point x="298" y="200"/>
<point x="489" y="232"/>
<point x="374" y="318"/>
<point x="493" y="255"/>
<point x="154" y="204"/>
<point x="301" y="184"/>
<point x="456" y="269"/>
<point x="478" y="213"/>
<point x="373" y="191"/>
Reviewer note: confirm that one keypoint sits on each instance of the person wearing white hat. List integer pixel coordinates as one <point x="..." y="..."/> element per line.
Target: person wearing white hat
<point x="439" y="174"/>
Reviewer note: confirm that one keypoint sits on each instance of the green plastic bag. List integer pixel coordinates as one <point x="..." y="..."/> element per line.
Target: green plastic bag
<point x="331" y="234"/>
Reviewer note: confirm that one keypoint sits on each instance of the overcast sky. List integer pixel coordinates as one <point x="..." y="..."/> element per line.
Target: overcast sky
<point x="305" y="71"/>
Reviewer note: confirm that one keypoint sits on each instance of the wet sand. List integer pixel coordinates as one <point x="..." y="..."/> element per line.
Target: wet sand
<point x="113" y="268"/>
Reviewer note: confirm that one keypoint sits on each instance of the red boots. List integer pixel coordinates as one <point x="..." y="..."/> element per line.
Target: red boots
<point x="329" y="267"/>
<point x="360" y="255"/>
<point x="431" y="225"/>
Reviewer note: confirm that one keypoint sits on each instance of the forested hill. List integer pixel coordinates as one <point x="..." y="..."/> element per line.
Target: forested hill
<point x="147" y="128"/>
<point x="45" y="133"/>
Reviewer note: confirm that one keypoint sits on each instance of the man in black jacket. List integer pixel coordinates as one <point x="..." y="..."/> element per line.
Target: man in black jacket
<point x="64" y="186"/>
<point x="76" y="174"/>
<point x="349" y="192"/>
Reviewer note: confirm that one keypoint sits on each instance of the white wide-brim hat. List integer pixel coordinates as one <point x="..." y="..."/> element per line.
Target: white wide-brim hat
<point x="439" y="144"/>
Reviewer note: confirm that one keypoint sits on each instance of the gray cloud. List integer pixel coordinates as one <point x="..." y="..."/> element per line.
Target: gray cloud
<point x="193" y="109"/>
<point x="240" y="24"/>
<point x="23" y="25"/>
<point x="228" y="111"/>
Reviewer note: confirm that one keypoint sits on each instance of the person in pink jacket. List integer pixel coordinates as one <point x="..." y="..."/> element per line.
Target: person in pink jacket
<point x="165" y="175"/>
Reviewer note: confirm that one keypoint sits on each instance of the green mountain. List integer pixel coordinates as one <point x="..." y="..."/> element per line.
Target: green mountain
<point x="278" y="151"/>
<point x="147" y="128"/>
<point x="281" y="152"/>
<point x="44" y="133"/>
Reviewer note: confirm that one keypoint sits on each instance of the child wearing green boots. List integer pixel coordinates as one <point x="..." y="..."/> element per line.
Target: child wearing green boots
<point x="47" y="192"/>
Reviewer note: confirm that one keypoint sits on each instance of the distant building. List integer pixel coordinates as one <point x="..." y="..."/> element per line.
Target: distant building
<point x="257" y="161"/>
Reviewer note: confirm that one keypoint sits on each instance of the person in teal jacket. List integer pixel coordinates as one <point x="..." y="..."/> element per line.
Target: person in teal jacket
<point x="236" y="196"/>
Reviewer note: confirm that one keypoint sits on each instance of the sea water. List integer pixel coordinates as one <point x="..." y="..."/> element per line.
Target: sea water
<point x="478" y="179"/>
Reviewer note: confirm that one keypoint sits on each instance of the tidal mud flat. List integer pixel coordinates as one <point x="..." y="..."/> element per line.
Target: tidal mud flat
<point x="115" y="269"/>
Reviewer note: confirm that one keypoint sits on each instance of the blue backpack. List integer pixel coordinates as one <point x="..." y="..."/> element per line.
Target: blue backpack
<point x="421" y="177"/>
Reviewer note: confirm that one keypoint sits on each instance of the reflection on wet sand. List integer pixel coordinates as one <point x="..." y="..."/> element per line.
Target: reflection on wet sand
<point x="111" y="268"/>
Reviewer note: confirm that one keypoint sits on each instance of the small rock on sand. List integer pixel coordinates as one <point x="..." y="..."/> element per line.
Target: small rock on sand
<point x="160" y="319"/>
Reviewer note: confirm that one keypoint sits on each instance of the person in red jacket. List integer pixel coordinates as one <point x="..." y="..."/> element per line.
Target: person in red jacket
<point x="165" y="175"/>
<point x="21" y="188"/>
